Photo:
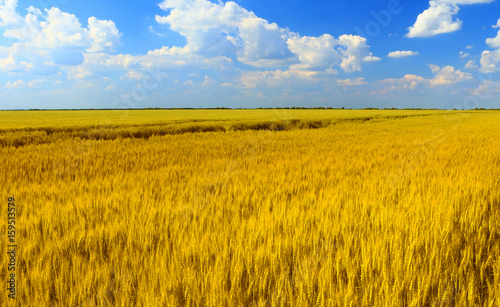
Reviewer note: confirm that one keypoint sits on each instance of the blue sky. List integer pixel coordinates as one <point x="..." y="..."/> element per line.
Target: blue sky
<point x="249" y="53"/>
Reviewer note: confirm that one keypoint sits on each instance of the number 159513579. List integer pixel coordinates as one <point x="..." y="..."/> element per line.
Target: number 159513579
<point x="11" y="220"/>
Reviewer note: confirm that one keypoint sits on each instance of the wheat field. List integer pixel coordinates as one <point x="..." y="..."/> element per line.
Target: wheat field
<point x="253" y="207"/>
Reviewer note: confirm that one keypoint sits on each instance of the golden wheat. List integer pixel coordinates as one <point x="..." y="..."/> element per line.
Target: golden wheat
<point x="381" y="211"/>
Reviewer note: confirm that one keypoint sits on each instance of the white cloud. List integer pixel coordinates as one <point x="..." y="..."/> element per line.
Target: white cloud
<point x="354" y="53"/>
<point x="325" y="52"/>
<point x="217" y="29"/>
<point x="111" y="87"/>
<point x="47" y="39"/>
<point x="495" y="41"/>
<point x="134" y="75"/>
<point x="471" y="65"/>
<point x="443" y="76"/>
<point x="465" y="1"/>
<point x="371" y="58"/>
<point x="402" y="54"/>
<point x="490" y="59"/>
<point x="214" y="29"/>
<point x="351" y="82"/>
<point x="448" y="75"/>
<point x="464" y="55"/>
<point x="486" y="90"/>
<point x="11" y="64"/>
<point x="8" y="63"/>
<point x="8" y="15"/>
<point x="103" y="35"/>
<point x="21" y="83"/>
<point x="278" y="78"/>
<point x="408" y="82"/>
<point x="469" y="47"/>
<point x="315" y="53"/>
<point x="264" y="43"/>
<point x="439" y="18"/>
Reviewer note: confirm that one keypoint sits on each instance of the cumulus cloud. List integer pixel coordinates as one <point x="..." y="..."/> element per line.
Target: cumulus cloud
<point x="446" y="75"/>
<point x="471" y="65"/>
<point x="402" y="54"/>
<point x="215" y="29"/>
<point x="315" y="53"/>
<point x="21" y="83"/>
<point x="278" y="79"/>
<point x="495" y="41"/>
<point x="219" y="37"/>
<point x="490" y="58"/>
<point x="8" y="14"/>
<point x="486" y="89"/>
<point x="351" y="82"/>
<point x="439" y="18"/>
<point x="355" y="52"/>
<point x="219" y="29"/>
<point x="409" y="81"/>
<point x="102" y="35"/>
<point x="371" y="58"/>
<point x="49" y="38"/>
<point x="465" y="1"/>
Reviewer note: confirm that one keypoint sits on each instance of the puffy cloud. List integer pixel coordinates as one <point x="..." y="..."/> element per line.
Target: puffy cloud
<point x="402" y="54"/>
<point x="486" y="89"/>
<point x="443" y="76"/>
<point x="51" y="38"/>
<point x="471" y="65"/>
<point x="351" y="82"/>
<point x="448" y="75"/>
<point x="464" y="55"/>
<point x="484" y="95"/>
<point x="355" y="51"/>
<point x="10" y="63"/>
<point x="495" y="41"/>
<point x="409" y="81"/>
<point x="220" y="29"/>
<point x="102" y="34"/>
<point x="490" y="59"/>
<point x="264" y="43"/>
<point x="22" y="83"/>
<point x="278" y="78"/>
<point x="465" y="1"/>
<point x="215" y="29"/>
<point x="325" y="52"/>
<point x="438" y="18"/>
<point x="316" y="53"/>
<point x="8" y="14"/>
<point x="371" y="58"/>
